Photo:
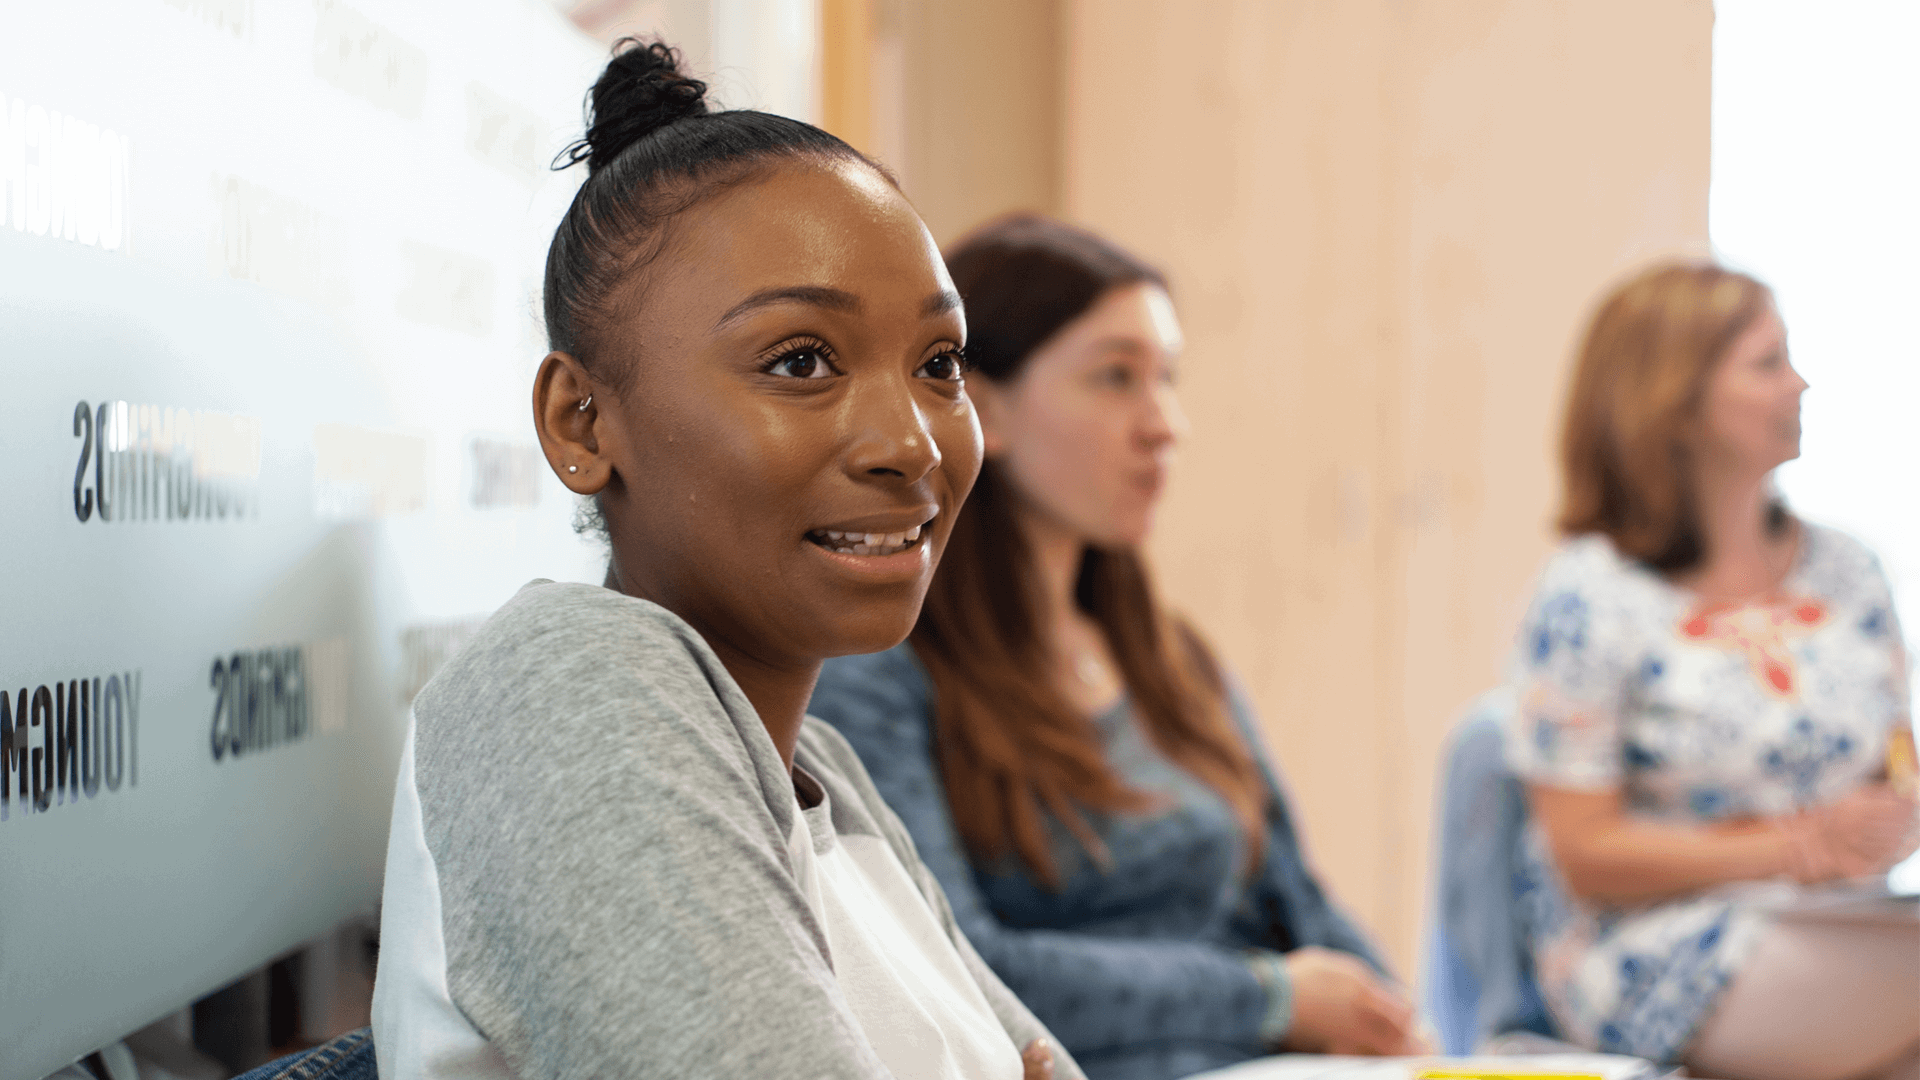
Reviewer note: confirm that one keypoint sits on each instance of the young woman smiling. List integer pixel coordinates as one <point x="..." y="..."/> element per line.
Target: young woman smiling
<point x="619" y="848"/>
<point x="1074" y="766"/>
<point x="1708" y="690"/>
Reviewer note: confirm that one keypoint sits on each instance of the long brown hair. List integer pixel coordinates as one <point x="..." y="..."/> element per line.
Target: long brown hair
<point x="1637" y="390"/>
<point x="1011" y="745"/>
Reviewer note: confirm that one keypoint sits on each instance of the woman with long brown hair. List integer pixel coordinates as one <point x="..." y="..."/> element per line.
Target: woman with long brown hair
<point x="1073" y="765"/>
<point x="1710" y="695"/>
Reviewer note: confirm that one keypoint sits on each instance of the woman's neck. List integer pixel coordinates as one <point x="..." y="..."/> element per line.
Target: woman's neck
<point x="779" y="694"/>
<point x="1743" y="556"/>
<point x="1084" y="670"/>
<point x="1056" y="552"/>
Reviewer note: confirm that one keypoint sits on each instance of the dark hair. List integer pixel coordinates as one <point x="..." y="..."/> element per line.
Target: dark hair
<point x="1010" y="744"/>
<point x="653" y="151"/>
<point x="1023" y="277"/>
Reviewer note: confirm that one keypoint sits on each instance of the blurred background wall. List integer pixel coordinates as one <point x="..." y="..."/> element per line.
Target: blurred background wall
<point x="1384" y="222"/>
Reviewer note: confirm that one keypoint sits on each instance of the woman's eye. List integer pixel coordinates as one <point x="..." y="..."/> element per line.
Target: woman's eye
<point x="1119" y="376"/>
<point x="947" y="367"/>
<point x="802" y="364"/>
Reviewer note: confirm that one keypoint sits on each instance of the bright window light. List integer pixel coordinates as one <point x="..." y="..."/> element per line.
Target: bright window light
<point x="1816" y="174"/>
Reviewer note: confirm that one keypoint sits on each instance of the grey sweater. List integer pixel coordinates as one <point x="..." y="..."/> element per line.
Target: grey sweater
<point x="589" y="872"/>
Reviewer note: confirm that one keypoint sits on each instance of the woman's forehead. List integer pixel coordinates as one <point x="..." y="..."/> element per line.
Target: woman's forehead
<point x="1134" y="320"/>
<point x="831" y="226"/>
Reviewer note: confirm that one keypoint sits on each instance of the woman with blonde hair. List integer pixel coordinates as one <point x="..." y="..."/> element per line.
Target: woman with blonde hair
<point x="1708" y="692"/>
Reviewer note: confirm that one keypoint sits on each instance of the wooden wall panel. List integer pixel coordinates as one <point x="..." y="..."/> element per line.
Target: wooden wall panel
<point x="1384" y="223"/>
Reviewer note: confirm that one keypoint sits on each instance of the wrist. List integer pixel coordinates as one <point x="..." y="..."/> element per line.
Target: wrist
<point x="1798" y="852"/>
<point x="1270" y="968"/>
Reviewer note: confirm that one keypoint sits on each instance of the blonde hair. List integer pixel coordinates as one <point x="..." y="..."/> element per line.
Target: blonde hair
<point x="1642" y="372"/>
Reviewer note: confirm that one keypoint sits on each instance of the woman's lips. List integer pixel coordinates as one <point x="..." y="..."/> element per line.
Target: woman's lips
<point x="903" y="563"/>
<point x="875" y="535"/>
<point x="866" y="543"/>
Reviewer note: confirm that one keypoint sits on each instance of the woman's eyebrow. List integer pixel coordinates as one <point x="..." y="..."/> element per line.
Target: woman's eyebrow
<point x="815" y="295"/>
<point x="822" y="296"/>
<point x="1126" y="346"/>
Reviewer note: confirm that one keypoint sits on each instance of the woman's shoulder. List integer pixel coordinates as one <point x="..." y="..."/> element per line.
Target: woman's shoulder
<point x="1589" y="574"/>
<point x="1826" y="547"/>
<point x="1837" y="565"/>
<point x="572" y="646"/>
<point x="1590" y="602"/>
<point x="1591" y="558"/>
<point x="876" y="693"/>
<point x="544" y="613"/>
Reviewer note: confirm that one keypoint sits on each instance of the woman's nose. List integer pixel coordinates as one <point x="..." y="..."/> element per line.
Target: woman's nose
<point x="890" y="435"/>
<point x="1162" y="420"/>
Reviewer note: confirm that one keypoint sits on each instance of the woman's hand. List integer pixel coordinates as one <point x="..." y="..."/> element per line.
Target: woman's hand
<point x="1863" y="834"/>
<point x="1038" y="1059"/>
<point x="1341" y="1007"/>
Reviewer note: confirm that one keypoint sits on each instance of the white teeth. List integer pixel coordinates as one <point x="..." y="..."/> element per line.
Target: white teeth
<point x="865" y="543"/>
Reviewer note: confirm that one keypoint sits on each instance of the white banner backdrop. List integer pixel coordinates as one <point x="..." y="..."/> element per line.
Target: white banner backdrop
<point x="269" y="278"/>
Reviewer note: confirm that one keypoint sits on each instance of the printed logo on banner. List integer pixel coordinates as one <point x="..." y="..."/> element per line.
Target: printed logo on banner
<point x="233" y="16"/>
<point x="361" y="473"/>
<point x="279" y="242"/>
<point x="265" y="698"/>
<point x="504" y="135"/>
<point x="66" y="742"/>
<point x="160" y="463"/>
<point x="368" y="60"/>
<point x="446" y="288"/>
<point x="63" y="177"/>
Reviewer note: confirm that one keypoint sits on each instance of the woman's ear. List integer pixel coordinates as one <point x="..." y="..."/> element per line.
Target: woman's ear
<point x="567" y="417"/>
<point x="990" y="405"/>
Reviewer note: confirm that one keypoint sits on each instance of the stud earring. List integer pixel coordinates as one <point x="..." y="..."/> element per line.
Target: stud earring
<point x="584" y="402"/>
<point x="573" y="468"/>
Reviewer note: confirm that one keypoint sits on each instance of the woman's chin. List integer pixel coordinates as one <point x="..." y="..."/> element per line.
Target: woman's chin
<point x="1128" y="533"/>
<point x="872" y="632"/>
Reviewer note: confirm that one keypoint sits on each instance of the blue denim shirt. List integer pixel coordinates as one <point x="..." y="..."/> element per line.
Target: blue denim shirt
<point x="1138" y="967"/>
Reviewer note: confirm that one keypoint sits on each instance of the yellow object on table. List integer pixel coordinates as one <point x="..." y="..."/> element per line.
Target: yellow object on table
<point x="1489" y="1074"/>
<point x="1903" y="769"/>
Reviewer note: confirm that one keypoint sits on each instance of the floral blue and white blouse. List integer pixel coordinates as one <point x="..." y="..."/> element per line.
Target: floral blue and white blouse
<point x="1696" y="713"/>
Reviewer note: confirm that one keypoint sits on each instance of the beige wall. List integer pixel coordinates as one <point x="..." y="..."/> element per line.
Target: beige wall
<point x="961" y="98"/>
<point x="1384" y="221"/>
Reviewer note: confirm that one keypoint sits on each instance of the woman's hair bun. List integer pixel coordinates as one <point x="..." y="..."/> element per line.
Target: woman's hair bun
<point x="641" y="92"/>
